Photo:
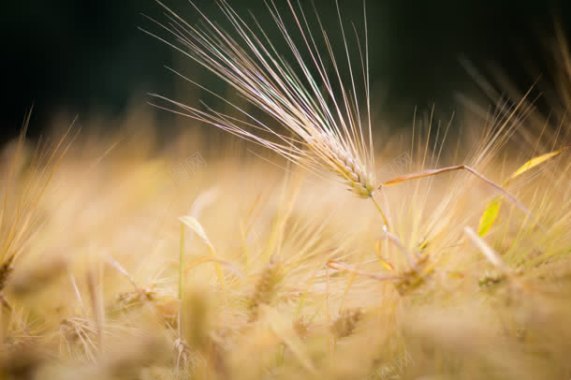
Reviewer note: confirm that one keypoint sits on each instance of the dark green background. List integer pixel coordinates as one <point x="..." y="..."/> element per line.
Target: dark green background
<point x="88" y="57"/>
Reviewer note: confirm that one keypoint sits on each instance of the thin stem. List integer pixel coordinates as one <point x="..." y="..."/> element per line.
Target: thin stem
<point x="180" y="278"/>
<point x="380" y="209"/>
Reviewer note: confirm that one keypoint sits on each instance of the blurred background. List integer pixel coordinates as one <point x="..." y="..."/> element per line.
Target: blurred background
<point x="88" y="58"/>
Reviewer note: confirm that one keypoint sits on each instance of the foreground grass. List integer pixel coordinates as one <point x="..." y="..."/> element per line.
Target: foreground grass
<point x="126" y="260"/>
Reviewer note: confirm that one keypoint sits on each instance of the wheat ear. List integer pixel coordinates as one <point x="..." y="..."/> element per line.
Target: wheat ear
<point x="320" y="115"/>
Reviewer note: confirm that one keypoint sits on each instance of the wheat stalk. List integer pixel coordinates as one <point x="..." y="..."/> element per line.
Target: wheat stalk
<point x="320" y="116"/>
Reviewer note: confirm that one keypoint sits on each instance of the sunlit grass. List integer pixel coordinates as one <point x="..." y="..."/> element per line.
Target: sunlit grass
<point x="233" y="267"/>
<point x="131" y="255"/>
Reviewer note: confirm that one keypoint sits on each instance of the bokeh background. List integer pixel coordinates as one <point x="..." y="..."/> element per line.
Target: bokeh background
<point x="88" y="58"/>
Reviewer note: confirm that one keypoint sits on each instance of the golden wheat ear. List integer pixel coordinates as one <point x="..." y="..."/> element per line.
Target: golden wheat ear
<point x="316" y="118"/>
<point x="433" y="172"/>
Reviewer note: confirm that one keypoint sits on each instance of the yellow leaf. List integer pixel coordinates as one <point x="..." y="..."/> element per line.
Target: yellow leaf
<point x="489" y="216"/>
<point x="533" y="163"/>
<point x="492" y="211"/>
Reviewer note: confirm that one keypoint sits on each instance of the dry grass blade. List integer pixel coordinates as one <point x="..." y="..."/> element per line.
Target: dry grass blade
<point x="434" y="172"/>
<point x="486" y="250"/>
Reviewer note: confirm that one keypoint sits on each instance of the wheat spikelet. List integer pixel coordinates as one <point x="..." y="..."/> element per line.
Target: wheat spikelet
<point x="345" y="324"/>
<point x="265" y="289"/>
<point x="319" y="111"/>
<point x="6" y="269"/>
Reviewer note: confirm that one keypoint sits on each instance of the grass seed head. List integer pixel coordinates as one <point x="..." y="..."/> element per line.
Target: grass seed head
<point x="265" y="289"/>
<point x="345" y="324"/>
<point x="320" y="112"/>
<point x="6" y="269"/>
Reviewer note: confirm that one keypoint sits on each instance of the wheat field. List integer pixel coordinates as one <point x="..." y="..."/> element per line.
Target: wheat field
<point x="131" y="255"/>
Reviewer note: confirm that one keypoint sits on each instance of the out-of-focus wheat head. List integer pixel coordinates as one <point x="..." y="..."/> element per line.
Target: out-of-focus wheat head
<point x="321" y="116"/>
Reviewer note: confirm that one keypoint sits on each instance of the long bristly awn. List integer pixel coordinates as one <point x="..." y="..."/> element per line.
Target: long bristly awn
<point x="327" y="122"/>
